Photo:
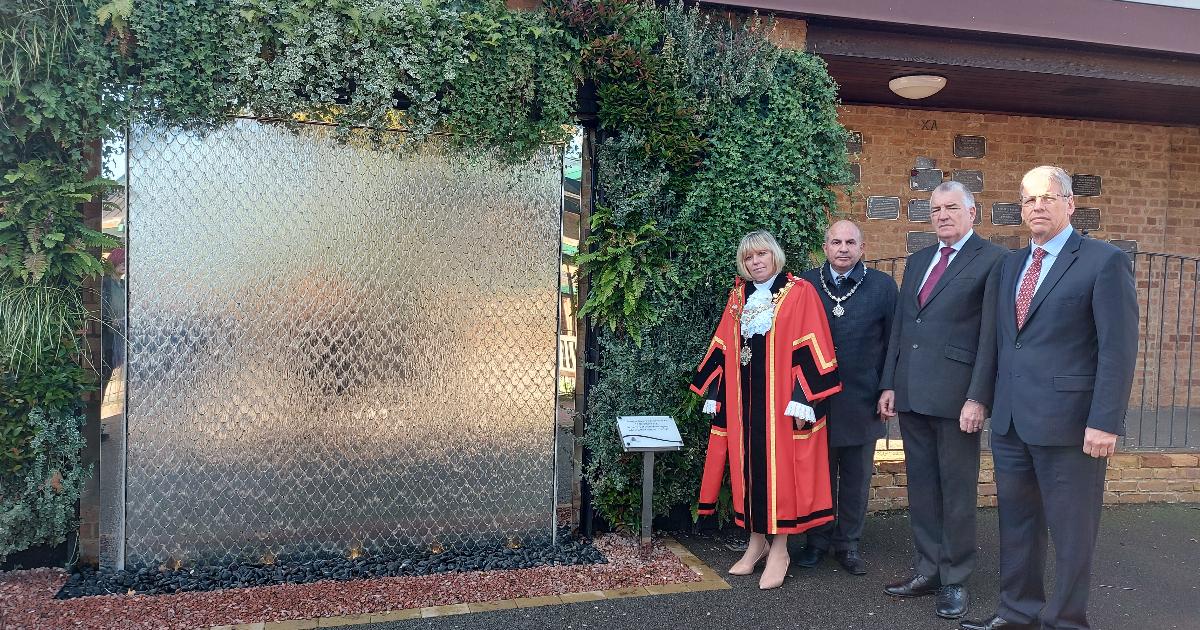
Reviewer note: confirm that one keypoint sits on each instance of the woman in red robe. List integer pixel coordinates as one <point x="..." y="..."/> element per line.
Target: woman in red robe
<point x="768" y="369"/>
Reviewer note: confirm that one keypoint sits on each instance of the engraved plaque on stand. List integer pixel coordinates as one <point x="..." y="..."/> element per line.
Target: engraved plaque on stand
<point x="887" y="208"/>
<point x="920" y="240"/>
<point x="1086" y="219"/>
<point x="1010" y="242"/>
<point x="1085" y="185"/>
<point x="972" y="179"/>
<point x="649" y="433"/>
<point x="854" y="142"/>
<point x="1006" y="213"/>
<point x="918" y="210"/>
<point x="970" y="146"/>
<point x="924" y="178"/>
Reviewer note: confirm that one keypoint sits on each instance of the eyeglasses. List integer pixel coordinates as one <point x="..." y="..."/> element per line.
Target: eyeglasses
<point x="1046" y="199"/>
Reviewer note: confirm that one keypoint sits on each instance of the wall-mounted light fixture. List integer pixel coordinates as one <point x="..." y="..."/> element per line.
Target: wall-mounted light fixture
<point x="916" y="86"/>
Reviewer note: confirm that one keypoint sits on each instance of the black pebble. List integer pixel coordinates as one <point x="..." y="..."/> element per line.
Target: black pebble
<point x="86" y="580"/>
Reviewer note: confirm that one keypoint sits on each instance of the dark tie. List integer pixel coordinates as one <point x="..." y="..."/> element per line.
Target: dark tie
<point x="1029" y="286"/>
<point x="935" y="275"/>
<point x="837" y="280"/>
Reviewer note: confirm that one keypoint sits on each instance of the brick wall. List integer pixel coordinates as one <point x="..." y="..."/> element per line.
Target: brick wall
<point x="1150" y="173"/>
<point x="1131" y="478"/>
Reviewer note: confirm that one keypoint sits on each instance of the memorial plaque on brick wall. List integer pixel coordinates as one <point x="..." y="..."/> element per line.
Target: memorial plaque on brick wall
<point x="924" y="178"/>
<point x="1086" y="219"/>
<point x="854" y="142"/>
<point x="1009" y="242"/>
<point x="918" y="210"/>
<point x="920" y="240"/>
<point x="970" y="146"/>
<point x="855" y="173"/>
<point x="883" y="208"/>
<point x="973" y="180"/>
<point x="1128" y="247"/>
<point x="1006" y="213"/>
<point x="1085" y="185"/>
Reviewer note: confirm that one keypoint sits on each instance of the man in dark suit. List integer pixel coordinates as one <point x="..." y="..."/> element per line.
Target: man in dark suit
<point x="859" y="303"/>
<point x="1066" y="338"/>
<point x="939" y="376"/>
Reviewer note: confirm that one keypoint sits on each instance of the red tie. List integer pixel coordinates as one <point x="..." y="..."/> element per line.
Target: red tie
<point x="1028" y="286"/>
<point x="935" y="275"/>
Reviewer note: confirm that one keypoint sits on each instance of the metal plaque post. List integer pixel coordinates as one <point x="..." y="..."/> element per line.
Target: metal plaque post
<point x="649" y="435"/>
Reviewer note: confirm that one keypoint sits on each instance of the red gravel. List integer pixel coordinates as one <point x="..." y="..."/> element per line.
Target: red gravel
<point x="27" y="597"/>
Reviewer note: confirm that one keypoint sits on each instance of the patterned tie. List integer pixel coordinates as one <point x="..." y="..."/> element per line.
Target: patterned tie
<point x="1029" y="286"/>
<point x="935" y="275"/>
<point x="838" y="280"/>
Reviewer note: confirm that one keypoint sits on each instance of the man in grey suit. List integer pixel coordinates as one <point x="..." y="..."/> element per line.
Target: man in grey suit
<point x="1066" y="338"/>
<point x="939" y="376"/>
<point x="860" y="304"/>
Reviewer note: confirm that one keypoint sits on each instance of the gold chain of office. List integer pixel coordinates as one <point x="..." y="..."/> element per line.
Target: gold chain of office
<point x="746" y="353"/>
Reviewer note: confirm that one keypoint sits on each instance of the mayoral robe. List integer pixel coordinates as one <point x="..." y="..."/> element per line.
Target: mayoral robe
<point x="779" y="473"/>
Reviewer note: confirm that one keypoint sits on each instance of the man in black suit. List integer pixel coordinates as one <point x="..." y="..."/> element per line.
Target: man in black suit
<point x="859" y="303"/>
<point x="1066" y="338"/>
<point x="939" y="376"/>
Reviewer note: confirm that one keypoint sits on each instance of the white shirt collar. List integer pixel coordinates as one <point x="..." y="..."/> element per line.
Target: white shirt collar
<point x="759" y="286"/>
<point x="1054" y="245"/>
<point x="963" y="241"/>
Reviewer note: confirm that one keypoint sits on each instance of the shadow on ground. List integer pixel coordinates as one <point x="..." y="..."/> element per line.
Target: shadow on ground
<point x="1145" y="576"/>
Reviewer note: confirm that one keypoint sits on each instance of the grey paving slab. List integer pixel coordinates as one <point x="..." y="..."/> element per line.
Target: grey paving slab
<point x="1145" y="577"/>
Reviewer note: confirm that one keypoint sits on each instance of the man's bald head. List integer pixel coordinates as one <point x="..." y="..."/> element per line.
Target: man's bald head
<point x="842" y="224"/>
<point x="843" y="245"/>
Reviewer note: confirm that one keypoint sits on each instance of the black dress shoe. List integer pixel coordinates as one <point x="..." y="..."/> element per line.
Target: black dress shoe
<point x="810" y="556"/>
<point x="916" y="586"/>
<point x="995" y="623"/>
<point x="952" y="601"/>
<point x="851" y="562"/>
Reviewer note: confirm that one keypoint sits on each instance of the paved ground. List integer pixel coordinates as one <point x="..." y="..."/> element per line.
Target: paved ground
<point x="1146" y="576"/>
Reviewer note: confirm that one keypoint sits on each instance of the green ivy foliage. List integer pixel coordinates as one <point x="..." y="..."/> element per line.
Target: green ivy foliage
<point x="628" y="252"/>
<point x="493" y="77"/>
<point x="518" y="86"/>
<point x="54" y="388"/>
<point x="57" y="97"/>
<point x="39" y="499"/>
<point x="54" y="76"/>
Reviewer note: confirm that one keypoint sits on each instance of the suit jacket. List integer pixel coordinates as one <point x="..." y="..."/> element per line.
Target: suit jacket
<point x="1071" y="366"/>
<point x="860" y="342"/>
<point x="944" y="352"/>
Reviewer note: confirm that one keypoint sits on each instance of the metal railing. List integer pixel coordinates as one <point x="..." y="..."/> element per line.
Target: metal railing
<point x="1167" y="379"/>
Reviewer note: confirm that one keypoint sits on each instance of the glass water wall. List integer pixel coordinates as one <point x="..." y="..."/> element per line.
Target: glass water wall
<point x="332" y="348"/>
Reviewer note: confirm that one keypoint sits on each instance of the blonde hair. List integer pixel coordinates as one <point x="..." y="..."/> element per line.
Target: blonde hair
<point x="1048" y="173"/>
<point x="754" y="241"/>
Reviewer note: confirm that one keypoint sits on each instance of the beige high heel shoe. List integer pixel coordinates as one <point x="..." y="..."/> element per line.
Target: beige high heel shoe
<point x="736" y="570"/>
<point x="774" y="573"/>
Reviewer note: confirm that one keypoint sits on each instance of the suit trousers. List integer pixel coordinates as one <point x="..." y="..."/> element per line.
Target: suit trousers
<point x="850" y="470"/>
<point x="942" y="464"/>
<point x="1040" y="487"/>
